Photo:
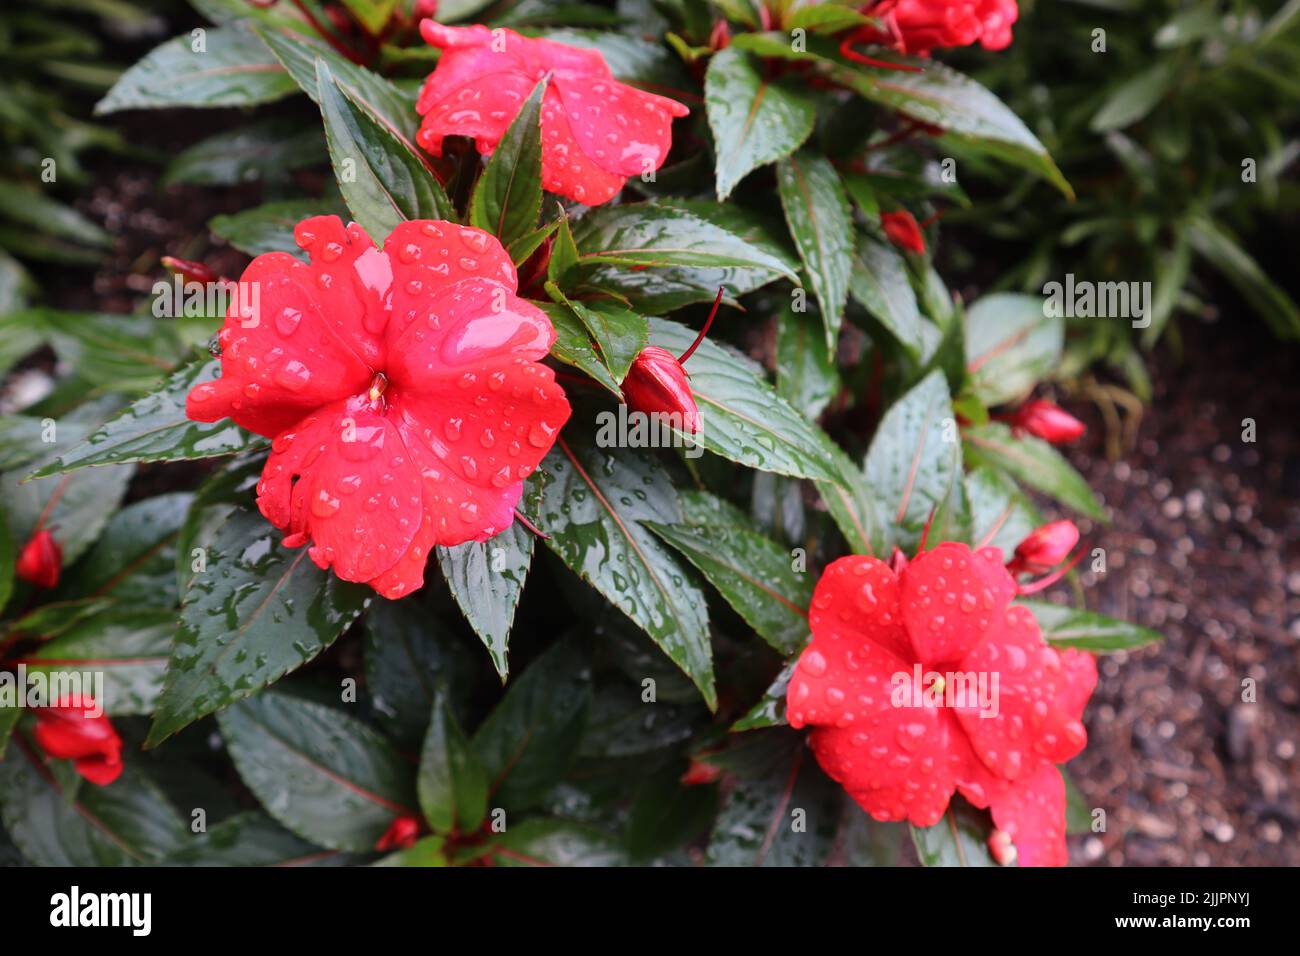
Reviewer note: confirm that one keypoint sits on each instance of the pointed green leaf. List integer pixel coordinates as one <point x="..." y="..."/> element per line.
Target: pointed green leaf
<point x="320" y="772"/>
<point x="258" y="611"/>
<point x="755" y="120"/>
<point x="1011" y="346"/>
<point x="822" y="226"/>
<point x="594" y="509"/>
<point x="452" y="783"/>
<point x="751" y="571"/>
<point x="382" y="180"/>
<point x="1035" y="463"/>
<point x="508" y="195"/>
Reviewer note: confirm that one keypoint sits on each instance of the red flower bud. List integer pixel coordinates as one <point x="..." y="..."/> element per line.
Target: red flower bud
<point x="699" y="773"/>
<point x="903" y="231"/>
<point x="74" y="730"/>
<point x="1044" y="548"/>
<point x="40" y="561"/>
<point x="1047" y="421"/>
<point x="401" y="834"/>
<point x="425" y="9"/>
<point x="720" y="35"/>
<point x="190" y="270"/>
<point x="656" y="383"/>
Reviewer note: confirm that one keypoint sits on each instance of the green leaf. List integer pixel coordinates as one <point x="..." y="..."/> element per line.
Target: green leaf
<point x="382" y="180"/>
<point x="619" y="333"/>
<point x="755" y="120"/>
<point x="128" y="646"/>
<point x="653" y="235"/>
<point x="156" y="428"/>
<point x="232" y="69"/>
<point x="548" y="842"/>
<point x="85" y="502"/>
<point x="529" y="740"/>
<point x="665" y="814"/>
<point x="258" y="151"/>
<point x="134" y="560"/>
<point x="782" y="811"/>
<point x="409" y="655"/>
<point x="959" y="839"/>
<point x="8" y="554"/>
<point x="751" y="571"/>
<point x="1270" y="300"/>
<point x="1035" y="463"/>
<point x="770" y="709"/>
<point x="122" y="353"/>
<point x="880" y="284"/>
<point x="564" y="252"/>
<point x="1011" y="345"/>
<point x="822" y="226"/>
<point x="40" y="212"/>
<point x="742" y="417"/>
<point x="259" y="611"/>
<point x="128" y="823"/>
<point x="252" y="839"/>
<point x="452" y="784"/>
<point x="508" y="195"/>
<point x="968" y="113"/>
<point x="853" y="505"/>
<point x="269" y="227"/>
<point x="914" y="465"/>
<point x="806" y="375"/>
<point x="372" y="14"/>
<point x="573" y="346"/>
<point x="594" y="509"/>
<point x="663" y="289"/>
<point x="1001" y="515"/>
<point x="1137" y="96"/>
<point x="380" y="99"/>
<point x="825" y="18"/>
<point x="486" y="579"/>
<point x="1074" y="627"/>
<point x="321" y="773"/>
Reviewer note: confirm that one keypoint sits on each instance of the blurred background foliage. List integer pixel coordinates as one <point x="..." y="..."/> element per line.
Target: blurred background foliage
<point x="1180" y="140"/>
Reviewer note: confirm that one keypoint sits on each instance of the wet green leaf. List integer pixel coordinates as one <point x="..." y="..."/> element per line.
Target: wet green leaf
<point x="321" y="773"/>
<point x="822" y="226"/>
<point x="258" y="611"/>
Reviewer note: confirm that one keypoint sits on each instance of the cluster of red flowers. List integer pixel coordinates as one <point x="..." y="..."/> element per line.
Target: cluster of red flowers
<point x="404" y="396"/>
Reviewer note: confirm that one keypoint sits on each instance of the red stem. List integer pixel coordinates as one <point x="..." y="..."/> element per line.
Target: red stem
<point x="704" y="331"/>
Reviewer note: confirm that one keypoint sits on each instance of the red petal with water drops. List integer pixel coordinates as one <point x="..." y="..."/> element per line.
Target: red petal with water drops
<point x="950" y="596"/>
<point x="343" y="478"/>
<point x="860" y="595"/>
<point x="596" y="131"/>
<point x="898" y="764"/>
<point x="1032" y="812"/>
<point x="290" y="354"/>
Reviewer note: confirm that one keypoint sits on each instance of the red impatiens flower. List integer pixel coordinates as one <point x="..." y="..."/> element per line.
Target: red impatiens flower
<point x="40" y="560"/>
<point x="596" y="132"/>
<point x="76" y="730"/>
<point x="919" y="26"/>
<point x="925" y="682"/>
<point x="902" y="229"/>
<point x="401" y="389"/>
<point x="1048" y="421"/>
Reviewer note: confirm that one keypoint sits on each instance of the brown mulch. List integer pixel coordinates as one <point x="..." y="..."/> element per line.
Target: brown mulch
<point x="1204" y="547"/>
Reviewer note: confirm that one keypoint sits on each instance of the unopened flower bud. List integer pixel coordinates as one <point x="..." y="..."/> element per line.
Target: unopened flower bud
<point x="40" y="561"/>
<point x="1044" y="548"/>
<point x="1048" y="421"/>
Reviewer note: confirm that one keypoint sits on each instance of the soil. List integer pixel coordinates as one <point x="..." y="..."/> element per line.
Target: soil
<point x="1190" y="767"/>
<point x="1204" y="547"/>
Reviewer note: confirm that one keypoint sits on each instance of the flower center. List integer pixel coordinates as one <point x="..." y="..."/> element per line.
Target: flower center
<point x="377" y="386"/>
